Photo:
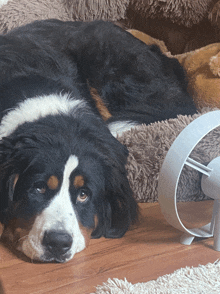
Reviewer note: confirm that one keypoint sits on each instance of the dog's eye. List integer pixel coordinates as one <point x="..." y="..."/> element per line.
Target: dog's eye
<point x="41" y="190"/>
<point x="82" y="196"/>
<point x="40" y="187"/>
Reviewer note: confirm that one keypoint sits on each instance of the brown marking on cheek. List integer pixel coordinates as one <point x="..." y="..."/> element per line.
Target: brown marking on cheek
<point x="103" y="110"/>
<point x="78" y="182"/>
<point x="16" y="231"/>
<point x="86" y="234"/>
<point x="53" y="183"/>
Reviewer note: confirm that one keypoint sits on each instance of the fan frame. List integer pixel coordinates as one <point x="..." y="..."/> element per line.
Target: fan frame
<point x="176" y="158"/>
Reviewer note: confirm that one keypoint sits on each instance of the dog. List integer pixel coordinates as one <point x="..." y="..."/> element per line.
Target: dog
<point x="67" y="89"/>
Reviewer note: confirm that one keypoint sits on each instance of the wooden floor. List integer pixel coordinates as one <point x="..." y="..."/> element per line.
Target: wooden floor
<point x="147" y="251"/>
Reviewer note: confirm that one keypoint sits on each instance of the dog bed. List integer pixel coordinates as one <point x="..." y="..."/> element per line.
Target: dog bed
<point x="148" y="146"/>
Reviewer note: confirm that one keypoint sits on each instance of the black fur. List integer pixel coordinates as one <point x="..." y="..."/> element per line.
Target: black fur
<point x="133" y="79"/>
<point x="136" y="82"/>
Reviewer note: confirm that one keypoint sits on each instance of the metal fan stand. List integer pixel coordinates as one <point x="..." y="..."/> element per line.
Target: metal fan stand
<point x="176" y="158"/>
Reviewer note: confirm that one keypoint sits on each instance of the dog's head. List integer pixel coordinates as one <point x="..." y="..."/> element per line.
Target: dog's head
<point x="62" y="181"/>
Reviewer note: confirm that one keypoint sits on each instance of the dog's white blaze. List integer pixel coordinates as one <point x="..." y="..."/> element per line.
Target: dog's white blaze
<point x="119" y="127"/>
<point x="59" y="215"/>
<point x="32" y="109"/>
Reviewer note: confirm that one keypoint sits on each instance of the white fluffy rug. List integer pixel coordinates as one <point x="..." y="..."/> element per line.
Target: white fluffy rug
<point x="195" y="280"/>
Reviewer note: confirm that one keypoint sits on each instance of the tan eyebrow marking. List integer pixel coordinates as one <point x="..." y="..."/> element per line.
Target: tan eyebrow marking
<point x="53" y="183"/>
<point x="78" y="181"/>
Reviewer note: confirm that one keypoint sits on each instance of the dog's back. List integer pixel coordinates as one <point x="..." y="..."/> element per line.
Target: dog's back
<point x="135" y="81"/>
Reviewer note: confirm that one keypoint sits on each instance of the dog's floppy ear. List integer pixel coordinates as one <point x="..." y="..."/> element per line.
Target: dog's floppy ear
<point x="119" y="209"/>
<point x="7" y="198"/>
<point x="12" y="163"/>
<point x="6" y="178"/>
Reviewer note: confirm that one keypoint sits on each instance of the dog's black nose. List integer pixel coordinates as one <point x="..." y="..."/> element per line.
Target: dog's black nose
<point x="57" y="241"/>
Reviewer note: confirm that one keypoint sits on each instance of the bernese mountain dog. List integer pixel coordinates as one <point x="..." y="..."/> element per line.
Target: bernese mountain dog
<point x="66" y="90"/>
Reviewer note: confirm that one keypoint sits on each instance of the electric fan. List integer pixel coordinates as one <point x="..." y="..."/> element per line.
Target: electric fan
<point x="176" y="159"/>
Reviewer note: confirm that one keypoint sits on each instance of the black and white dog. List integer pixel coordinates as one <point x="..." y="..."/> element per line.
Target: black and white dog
<point x="65" y="88"/>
